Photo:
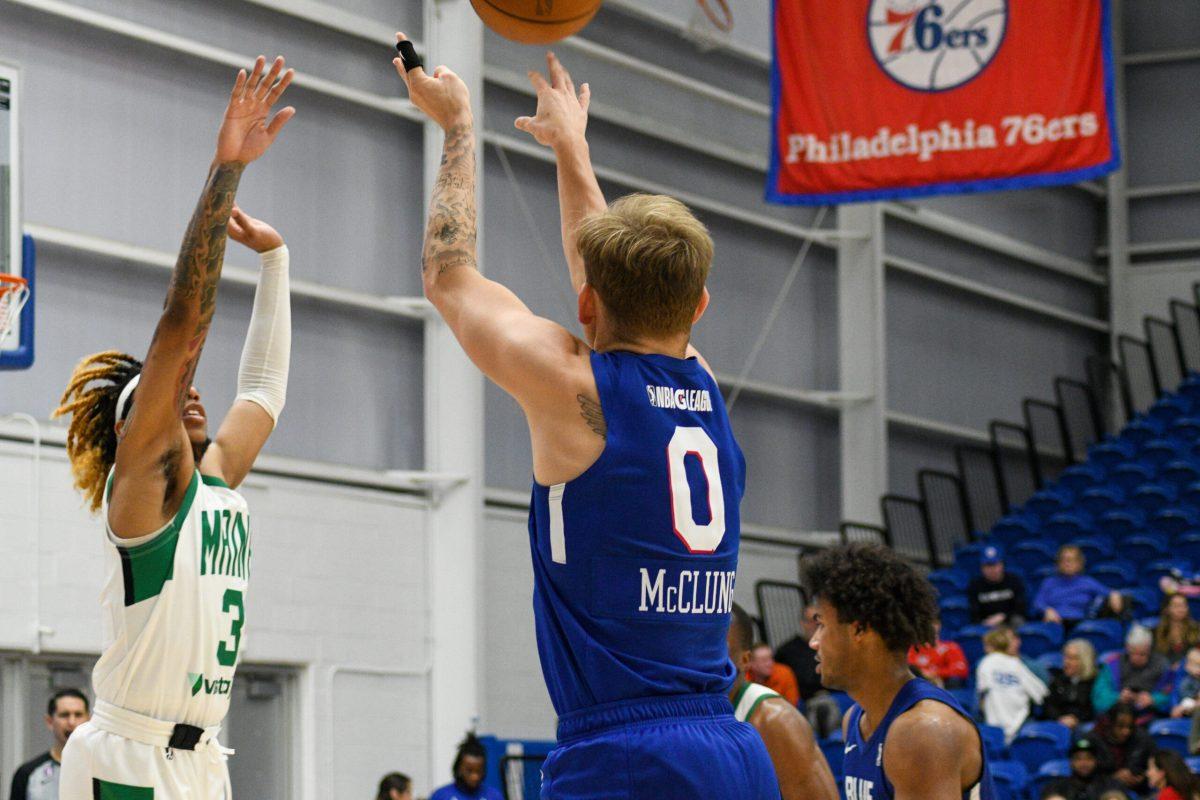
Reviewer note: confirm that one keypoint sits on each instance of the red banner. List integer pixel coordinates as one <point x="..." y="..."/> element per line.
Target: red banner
<point x="876" y="99"/>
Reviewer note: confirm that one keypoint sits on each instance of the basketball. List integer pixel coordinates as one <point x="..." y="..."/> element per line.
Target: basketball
<point x="536" y="21"/>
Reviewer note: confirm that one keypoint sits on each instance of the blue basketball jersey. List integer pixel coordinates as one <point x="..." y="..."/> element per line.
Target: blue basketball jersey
<point x="863" y="765"/>
<point x="634" y="560"/>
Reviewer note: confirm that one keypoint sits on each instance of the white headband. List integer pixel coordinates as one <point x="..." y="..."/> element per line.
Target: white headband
<point x="126" y="393"/>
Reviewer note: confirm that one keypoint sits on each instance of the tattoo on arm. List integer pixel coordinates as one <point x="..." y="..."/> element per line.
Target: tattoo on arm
<point x="450" y="234"/>
<point x="194" y="282"/>
<point x="593" y="415"/>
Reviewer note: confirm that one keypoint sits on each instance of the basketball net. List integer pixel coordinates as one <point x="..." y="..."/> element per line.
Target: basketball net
<point x="711" y="24"/>
<point x="14" y="292"/>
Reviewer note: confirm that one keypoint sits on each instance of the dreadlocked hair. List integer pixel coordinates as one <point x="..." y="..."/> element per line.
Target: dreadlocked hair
<point x="91" y="400"/>
<point x="872" y="585"/>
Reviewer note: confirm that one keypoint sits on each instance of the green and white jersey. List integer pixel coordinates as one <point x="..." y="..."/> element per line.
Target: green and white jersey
<point x="748" y="699"/>
<point x="174" y="609"/>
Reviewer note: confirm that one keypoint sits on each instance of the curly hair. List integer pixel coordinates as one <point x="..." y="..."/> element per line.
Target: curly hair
<point x="91" y="400"/>
<point x="470" y="746"/>
<point x="871" y="585"/>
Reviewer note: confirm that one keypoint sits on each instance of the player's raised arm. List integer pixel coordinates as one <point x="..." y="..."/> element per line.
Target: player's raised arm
<point x="561" y="124"/>
<point x="521" y="352"/>
<point x="263" y="371"/>
<point x="153" y="461"/>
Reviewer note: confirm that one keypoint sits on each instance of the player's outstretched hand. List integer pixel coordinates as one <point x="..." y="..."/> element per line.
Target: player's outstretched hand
<point x="245" y="132"/>
<point x="254" y="233"/>
<point x="442" y="96"/>
<point x="561" y="113"/>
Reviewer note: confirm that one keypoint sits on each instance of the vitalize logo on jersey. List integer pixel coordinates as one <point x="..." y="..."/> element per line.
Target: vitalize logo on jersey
<point x="859" y="789"/>
<point x="935" y="45"/>
<point x="198" y="683"/>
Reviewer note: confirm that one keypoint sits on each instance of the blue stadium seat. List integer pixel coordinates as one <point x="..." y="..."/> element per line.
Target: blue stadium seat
<point x="1048" y="773"/>
<point x="949" y="582"/>
<point x="1096" y="548"/>
<point x="1041" y="573"/>
<point x="1099" y="500"/>
<point x="1018" y="527"/>
<point x="1040" y="637"/>
<point x="1130" y="474"/>
<point x="1145" y="547"/>
<point x="1168" y="566"/>
<point x="966" y="698"/>
<point x="1051" y="660"/>
<point x="1150" y="621"/>
<point x="1050" y="501"/>
<point x="1146" y="600"/>
<point x="1174" y="520"/>
<point x="1010" y="779"/>
<point x="1171" y="734"/>
<point x="834" y="750"/>
<point x="970" y="639"/>
<point x="1185" y="429"/>
<point x="993" y="742"/>
<point x="1180" y="473"/>
<point x="1168" y="408"/>
<point x="1080" y="477"/>
<point x="1069" y="525"/>
<point x="955" y="612"/>
<point x="966" y="558"/>
<point x="1190" y="388"/>
<point x="1140" y="430"/>
<point x="1030" y="554"/>
<point x="1157" y="453"/>
<point x="1190" y="496"/>
<point x="1150" y="497"/>
<point x="1104" y="634"/>
<point x="1111" y="452"/>
<point x="1187" y="545"/>
<point x="1114" y="574"/>
<point x="1193" y="763"/>
<point x="1122" y="522"/>
<point x="1039" y="742"/>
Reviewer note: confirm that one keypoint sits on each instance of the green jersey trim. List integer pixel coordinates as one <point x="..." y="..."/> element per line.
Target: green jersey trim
<point x="105" y="790"/>
<point x="146" y="567"/>
<point x="763" y="694"/>
<point x="213" y="480"/>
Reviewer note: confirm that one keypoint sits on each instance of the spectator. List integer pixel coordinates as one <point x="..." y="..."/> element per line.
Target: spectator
<point x="1070" y="596"/>
<point x="821" y="708"/>
<point x="1169" y="776"/>
<point x="1138" y="677"/>
<point x="470" y="768"/>
<point x="1129" y="747"/>
<point x="1014" y="650"/>
<point x="1006" y="686"/>
<point x="1176" y="632"/>
<point x="394" y="786"/>
<point x="38" y="778"/>
<point x="1087" y="780"/>
<point x="996" y="596"/>
<point x="1070" y="698"/>
<point x="777" y="677"/>
<point x="942" y="663"/>
<point x="1187" y="685"/>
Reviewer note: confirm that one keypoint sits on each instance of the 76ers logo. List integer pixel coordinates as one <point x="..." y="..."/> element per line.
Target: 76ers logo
<point x="934" y="45"/>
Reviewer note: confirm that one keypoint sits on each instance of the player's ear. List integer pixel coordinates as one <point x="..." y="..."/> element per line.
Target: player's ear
<point x="120" y="428"/>
<point x="587" y="305"/>
<point x="702" y="306"/>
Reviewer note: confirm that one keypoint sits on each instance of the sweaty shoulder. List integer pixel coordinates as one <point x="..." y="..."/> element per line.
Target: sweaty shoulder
<point x="932" y="733"/>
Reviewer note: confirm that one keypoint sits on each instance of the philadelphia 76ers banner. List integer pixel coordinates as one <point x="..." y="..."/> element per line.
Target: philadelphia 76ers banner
<point x="879" y="99"/>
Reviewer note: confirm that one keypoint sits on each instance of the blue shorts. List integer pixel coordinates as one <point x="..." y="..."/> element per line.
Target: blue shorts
<point x="680" y="747"/>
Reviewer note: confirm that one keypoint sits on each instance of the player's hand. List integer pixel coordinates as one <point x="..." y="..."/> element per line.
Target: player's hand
<point x="443" y="96"/>
<point x="254" y="233"/>
<point x="562" y="114"/>
<point x="245" y="132"/>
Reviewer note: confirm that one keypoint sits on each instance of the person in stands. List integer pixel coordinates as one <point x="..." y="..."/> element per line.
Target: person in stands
<point x="942" y="663"/>
<point x="1088" y="779"/>
<point x="1169" y="777"/>
<point x="1071" y="596"/>
<point x="1176" y="632"/>
<point x="1138" y="677"/>
<point x="1007" y="688"/>
<point x="1128" y="746"/>
<point x="1070" y="699"/>
<point x="777" y="677"/>
<point x="996" y="596"/>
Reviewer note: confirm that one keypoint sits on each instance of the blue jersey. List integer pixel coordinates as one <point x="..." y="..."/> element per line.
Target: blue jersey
<point x="863" y="765"/>
<point x="634" y="560"/>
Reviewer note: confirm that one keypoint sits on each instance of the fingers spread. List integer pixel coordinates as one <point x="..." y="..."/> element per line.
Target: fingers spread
<point x="539" y="83"/>
<point x="559" y="77"/>
<point x="281" y="119"/>
<point x="239" y="84"/>
<point x="267" y="83"/>
<point x="585" y="97"/>
<point x="282" y="84"/>
<point x="255" y="76"/>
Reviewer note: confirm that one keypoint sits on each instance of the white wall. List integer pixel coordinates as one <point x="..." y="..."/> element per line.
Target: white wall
<point x="339" y="590"/>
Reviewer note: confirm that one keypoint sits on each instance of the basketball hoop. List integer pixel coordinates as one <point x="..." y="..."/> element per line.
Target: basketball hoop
<point x="14" y="292"/>
<point x="711" y="24"/>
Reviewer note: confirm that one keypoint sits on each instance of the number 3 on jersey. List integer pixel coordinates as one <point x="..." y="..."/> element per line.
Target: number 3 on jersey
<point x="698" y="539"/>
<point x="227" y="656"/>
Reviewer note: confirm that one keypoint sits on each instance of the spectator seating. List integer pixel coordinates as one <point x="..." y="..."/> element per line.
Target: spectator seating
<point x="993" y="742"/>
<point x="1104" y="634"/>
<point x="1010" y="779"/>
<point x="1040" y="637"/>
<point x="1038" y="742"/>
<point x="1048" y="772"/>
<point x="1171" y="734"/>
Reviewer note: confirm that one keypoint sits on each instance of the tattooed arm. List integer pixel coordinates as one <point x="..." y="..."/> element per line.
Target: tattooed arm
<point x="154" y="461"/>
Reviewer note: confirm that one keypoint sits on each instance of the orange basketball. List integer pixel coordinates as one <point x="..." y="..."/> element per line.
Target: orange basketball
<point x="536" y="21"/>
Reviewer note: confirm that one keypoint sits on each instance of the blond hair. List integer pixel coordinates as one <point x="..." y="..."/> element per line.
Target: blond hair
<point x="648" y="258"/>
<point x="1087" y="657"/>
<point x="998" y="639"/>
<point x="91" y="400"/>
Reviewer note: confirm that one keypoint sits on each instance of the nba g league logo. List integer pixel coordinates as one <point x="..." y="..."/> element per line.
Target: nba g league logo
<point x="935" y="45"/>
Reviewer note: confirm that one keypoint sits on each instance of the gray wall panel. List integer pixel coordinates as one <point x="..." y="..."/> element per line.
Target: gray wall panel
<point x="960" y="359"/>
<point x="910" y="452"/>
<point x="1159" y="25"/>
<point x="1162" y="218"/>
<point x="1161" y="103"/>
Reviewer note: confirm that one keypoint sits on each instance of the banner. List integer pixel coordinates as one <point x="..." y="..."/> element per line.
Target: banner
<point x="876" y="99"/>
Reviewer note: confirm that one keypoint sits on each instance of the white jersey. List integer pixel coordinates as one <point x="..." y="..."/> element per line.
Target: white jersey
<point x="174" y="609"/>
<point x="749" y="698"/>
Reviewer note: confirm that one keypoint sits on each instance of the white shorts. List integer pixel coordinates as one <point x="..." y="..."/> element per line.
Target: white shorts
<point x="99" y="764"/>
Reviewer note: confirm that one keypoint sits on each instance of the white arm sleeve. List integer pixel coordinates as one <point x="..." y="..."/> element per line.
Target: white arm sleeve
<point x="263" y="372"/>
